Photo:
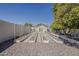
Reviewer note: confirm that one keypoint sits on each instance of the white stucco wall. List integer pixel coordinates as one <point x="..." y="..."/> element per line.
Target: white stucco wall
<point x="10" y="30"/>
<point x="41" y="29"/>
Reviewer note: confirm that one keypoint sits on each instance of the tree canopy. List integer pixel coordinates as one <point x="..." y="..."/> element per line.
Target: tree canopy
<point x="28" y="24"/>
<point x="66" y="16"/>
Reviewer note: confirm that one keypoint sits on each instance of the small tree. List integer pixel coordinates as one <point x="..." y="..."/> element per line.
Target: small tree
<point x="28" y="24"/>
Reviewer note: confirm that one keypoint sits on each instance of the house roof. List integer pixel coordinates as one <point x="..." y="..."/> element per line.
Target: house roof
<point x="41" y="25"/>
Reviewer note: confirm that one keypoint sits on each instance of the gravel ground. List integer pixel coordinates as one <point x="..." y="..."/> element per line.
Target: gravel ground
<point x="41" y="49"/>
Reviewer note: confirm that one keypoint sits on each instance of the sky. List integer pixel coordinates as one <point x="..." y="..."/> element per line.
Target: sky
<point x="26" y="13"/>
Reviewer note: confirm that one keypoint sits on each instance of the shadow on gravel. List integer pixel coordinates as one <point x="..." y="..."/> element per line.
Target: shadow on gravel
<point x="6" y="44"/>
<point x="66" y="42"/>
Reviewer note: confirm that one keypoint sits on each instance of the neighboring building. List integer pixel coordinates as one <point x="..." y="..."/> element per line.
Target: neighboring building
<point x="33" y="29"/>
<point x="40" y="28"/>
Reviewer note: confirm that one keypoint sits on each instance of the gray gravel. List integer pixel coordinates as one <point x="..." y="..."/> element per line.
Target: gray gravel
<point x="40" y="48"/>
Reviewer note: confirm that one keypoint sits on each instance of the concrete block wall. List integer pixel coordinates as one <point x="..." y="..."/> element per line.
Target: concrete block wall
<point x="10" y="30"/>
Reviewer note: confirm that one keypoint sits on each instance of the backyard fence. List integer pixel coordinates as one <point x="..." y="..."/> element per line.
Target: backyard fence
<point x="10" y="30"/>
